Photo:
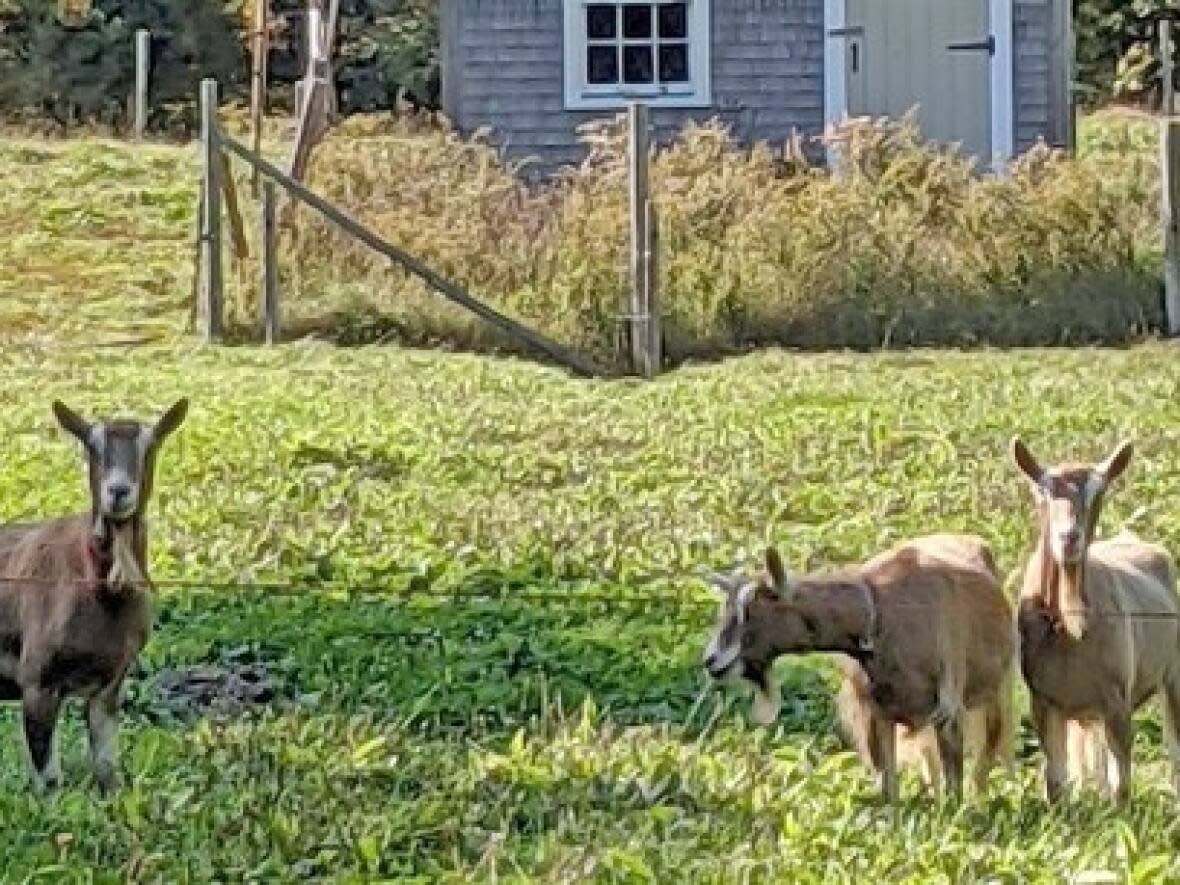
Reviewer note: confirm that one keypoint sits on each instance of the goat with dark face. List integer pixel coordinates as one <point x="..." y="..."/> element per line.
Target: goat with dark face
<point x="927" y="639"/>
<point x="74" y="594"/>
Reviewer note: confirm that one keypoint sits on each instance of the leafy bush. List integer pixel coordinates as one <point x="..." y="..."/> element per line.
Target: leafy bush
<point x="906" y="245"/>
<point x="86" y="69"/>
<point x="1118" y="48"/>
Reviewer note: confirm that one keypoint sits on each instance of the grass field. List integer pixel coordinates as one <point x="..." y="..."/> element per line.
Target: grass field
<point x="484" y="655"/>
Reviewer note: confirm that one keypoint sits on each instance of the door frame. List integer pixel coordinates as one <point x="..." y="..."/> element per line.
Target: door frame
<point x="1003" y="99"/>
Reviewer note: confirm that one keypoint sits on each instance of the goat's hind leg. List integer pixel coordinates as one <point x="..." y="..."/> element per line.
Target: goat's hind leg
<point x="950" y="750"/>
<point x="883" y="749"/>
<point x="1171" y="708"/>
<point x="1120" y="734"/>
<point x="102" y="724"/>
<point x="40" y="709"/>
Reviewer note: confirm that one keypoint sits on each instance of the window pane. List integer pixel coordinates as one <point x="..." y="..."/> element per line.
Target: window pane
<point x="674" y="21"/>
<point x="674" y="63"/>
<point x="637" y="64"/>
<point x="601" y="21"/>
<point x="602" y="64"/>
<point x="637" y="20"/>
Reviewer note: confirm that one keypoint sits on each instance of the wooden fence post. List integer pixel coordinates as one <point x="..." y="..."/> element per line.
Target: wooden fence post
<point x="316" y="103"/>
<point x="655" y="331"/>
<point x="1167" y="69"/>
<point x="258" y="80"/>
<point x="1170" y="207"/>
<point x="143" y="56"/>
<point x="270" y="270"/>
<point x="212" y="281"/>
<point x="639" y="151"/>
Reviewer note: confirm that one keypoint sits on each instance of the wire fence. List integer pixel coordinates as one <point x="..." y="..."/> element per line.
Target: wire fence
<point x="509" y="592"/>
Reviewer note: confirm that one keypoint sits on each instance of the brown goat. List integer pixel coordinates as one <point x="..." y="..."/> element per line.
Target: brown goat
<point x="1099" y="629"/>
<point x="928" y="640"/>
<point x="74" y="595"/>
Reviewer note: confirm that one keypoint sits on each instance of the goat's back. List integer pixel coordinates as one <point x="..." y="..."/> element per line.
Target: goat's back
<point x="941" y="605"/>
<point x="1130" y="587"/>
<point x="1130" y="572"/>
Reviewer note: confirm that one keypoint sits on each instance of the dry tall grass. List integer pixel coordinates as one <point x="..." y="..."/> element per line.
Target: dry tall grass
<point x="907" y="245"/>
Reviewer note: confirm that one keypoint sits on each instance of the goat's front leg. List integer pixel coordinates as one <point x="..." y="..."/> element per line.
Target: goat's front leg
<point x="102" y="724"/>
<point x="883" y="748"/>
<point x="40" y="721"/>
<point x="1050" y="725"/>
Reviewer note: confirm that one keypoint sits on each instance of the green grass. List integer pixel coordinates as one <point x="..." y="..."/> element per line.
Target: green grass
<point x="434" y="722"/>
<point x="451" y="737"/>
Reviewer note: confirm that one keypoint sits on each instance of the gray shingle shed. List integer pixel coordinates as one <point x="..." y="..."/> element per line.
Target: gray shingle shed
<point x="991" y="74"/>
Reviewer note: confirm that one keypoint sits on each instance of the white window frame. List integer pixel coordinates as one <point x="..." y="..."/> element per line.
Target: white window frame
<point x="580" y="95"/>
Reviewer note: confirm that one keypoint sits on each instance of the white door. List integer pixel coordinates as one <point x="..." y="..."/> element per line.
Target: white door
<point x="932" y="54"/>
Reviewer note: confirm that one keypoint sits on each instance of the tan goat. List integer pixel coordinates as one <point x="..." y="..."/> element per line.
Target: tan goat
<point x="929" y="644"/>
<point x="74" y="600"/>
<point x="1099" y="629"/>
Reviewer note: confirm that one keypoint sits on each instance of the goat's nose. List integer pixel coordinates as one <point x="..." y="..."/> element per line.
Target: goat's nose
<point x="119" y="492"/>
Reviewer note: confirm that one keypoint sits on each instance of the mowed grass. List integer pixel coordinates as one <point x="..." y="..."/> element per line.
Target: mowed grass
<point x="474" y="584"/>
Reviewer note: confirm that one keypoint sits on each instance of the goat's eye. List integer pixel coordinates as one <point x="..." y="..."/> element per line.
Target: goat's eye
<point x="747" y="640"/>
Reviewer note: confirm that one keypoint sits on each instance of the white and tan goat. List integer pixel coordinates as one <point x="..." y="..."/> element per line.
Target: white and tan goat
<point x="1099" y="629"/>
<point x="74" y="598"/>
<point x="928" y="642"/>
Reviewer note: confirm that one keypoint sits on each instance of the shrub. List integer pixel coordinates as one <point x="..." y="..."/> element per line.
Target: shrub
<point x="1118" y="48"/>
<point x="85" y="70"/>
<point x="907" y="245"/>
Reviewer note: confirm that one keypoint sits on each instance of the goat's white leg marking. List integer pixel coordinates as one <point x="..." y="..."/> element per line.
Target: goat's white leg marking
<point x="102" y="721"/>
<point x="1120" y="736"/>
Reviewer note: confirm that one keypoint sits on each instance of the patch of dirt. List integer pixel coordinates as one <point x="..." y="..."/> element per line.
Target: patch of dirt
<point x="243" y="682"/>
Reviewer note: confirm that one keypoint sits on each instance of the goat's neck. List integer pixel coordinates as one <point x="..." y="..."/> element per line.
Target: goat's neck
<point x="838" y="614"/>
<point x="1062" y="588"/>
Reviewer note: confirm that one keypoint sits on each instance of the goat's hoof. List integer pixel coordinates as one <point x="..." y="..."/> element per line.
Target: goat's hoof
<point x="107" y="781"/>
<point x="46" y="786"/>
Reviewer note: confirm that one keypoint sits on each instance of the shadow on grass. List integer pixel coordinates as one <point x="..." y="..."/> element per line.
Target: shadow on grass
<point x="1115" y="309"/>
<point x="463" y="664"/>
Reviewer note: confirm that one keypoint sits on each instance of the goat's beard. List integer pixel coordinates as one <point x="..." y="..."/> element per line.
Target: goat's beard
<point x="125" y="570"/>
<point x="767" y="698"/>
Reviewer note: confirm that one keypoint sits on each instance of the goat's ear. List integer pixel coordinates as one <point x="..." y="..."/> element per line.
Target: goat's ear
<point x="1025" y="461"/>
<point x="777" y="572"/>
<point x="170" y="420"/>
<point x="71" y="422"/>
<point x="1113" y="467"/>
